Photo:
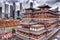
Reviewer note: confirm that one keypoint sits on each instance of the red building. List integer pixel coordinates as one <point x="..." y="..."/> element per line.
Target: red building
<point x="38" y="24"/>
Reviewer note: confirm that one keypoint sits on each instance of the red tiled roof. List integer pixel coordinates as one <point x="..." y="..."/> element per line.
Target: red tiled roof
<point x="9" y="23"/>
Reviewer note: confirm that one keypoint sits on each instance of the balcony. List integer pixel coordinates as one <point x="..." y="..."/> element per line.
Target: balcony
<point x="45" y="18"/>
<point x="22" y="37"/>
<point x="32" y="36"/>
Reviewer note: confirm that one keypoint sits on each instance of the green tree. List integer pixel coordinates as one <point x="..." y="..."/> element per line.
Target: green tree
<point x="13" y="30"/>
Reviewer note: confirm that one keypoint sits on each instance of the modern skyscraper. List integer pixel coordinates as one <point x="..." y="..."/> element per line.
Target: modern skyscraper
<point x="7" y="11"/>
<point x="31" y="4"/>
<point x="0" y="12"/>
<point x="21" y="7"/>
<point x="18" y="14"/>
<point x="21" y="11"/>
<point x="14" y="10"/>
<point x="11" y="12"/>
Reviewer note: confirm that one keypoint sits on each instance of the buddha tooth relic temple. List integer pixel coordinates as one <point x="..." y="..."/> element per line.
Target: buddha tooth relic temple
<point x="38" y="24"/>
<point x="29" y="20"/>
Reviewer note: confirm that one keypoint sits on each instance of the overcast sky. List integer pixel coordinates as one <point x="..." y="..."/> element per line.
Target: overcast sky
<point x="52" y="3"/>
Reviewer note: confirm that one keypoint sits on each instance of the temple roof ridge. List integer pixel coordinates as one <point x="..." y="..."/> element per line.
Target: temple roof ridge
<point x="44" y="5"/>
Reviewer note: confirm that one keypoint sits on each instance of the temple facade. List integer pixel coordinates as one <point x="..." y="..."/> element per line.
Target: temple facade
<point x="38" y="24"/>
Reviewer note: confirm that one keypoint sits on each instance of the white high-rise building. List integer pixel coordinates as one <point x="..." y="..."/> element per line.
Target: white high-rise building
<point x="7" y="10"/>
<point x="1" y="10"/>
<point x="11" y="10"/>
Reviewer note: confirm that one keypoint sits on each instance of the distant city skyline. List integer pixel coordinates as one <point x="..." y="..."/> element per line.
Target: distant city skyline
<point x="52" y="3"/>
